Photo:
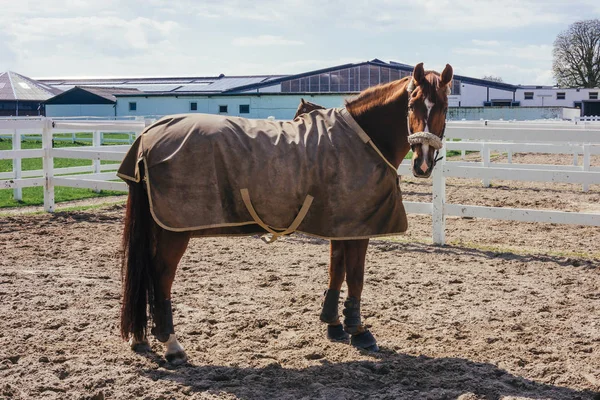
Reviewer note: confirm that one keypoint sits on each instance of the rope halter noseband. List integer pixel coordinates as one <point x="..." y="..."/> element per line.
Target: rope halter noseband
<point x="425" y="138"/>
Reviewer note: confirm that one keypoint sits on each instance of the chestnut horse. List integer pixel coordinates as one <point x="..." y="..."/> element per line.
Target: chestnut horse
<point x="306" y="106"/>
<point x="397" y="116"/>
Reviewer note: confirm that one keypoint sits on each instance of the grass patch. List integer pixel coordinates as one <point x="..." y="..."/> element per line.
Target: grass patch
<point x="34" y="196"/>
<point x="69" y="209"/>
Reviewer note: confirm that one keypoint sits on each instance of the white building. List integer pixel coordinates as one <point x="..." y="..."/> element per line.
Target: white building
<point x="279" y="95"/>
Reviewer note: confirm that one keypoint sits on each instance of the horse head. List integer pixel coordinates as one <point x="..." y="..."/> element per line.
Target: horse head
<point x="306" y="107"/>
<point x="427" y="107"/>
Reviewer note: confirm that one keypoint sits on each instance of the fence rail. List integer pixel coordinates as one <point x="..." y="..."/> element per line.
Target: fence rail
<point x="95" y="176"/>
<point x="579" y="138"/>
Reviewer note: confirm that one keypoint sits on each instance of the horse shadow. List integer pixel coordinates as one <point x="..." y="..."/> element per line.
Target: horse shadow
<point x="457" y="250"/>
<point x="389" y="375"/>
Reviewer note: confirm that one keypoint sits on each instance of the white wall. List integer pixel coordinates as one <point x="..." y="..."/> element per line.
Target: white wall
<point x="506" y="113"/>
<point x="80" y="110"/>
<point x="284" y="107"/>
<point x="499" y="94"/>
<point x="547" y="96"/>
<point x="261" y="106"/>
<point x="472" y="95"/>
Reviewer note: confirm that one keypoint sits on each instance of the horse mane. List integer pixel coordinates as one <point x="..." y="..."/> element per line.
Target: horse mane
<point x="377" y="96"/>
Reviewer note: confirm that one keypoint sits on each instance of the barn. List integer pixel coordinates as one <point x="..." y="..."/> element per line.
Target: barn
<point x="261" y="96"/>
<point x="88" y="101"/>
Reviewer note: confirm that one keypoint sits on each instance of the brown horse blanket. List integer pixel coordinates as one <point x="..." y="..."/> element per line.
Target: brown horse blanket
<point x="214" y="175"/>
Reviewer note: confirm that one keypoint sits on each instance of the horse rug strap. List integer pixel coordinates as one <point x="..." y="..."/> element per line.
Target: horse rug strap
<point x="275" y="234"/>
<point x="216" y="175"/>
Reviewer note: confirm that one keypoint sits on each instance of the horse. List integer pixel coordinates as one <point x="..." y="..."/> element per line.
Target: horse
<point x="409" y="113"/>
<point x="305" y="107"/>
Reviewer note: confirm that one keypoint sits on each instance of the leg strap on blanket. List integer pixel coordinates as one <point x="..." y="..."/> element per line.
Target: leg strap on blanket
<point x="352" y="322"/>
<point x="329" y="314"/>
<point x="274" y="233"/>
<point x="163" y="321"/>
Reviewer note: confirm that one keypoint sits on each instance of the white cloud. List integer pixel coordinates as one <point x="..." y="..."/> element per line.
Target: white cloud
<point x="510" y="73"/>
<point x="477" y="42"/>
<point x="475" y="51"/>
<point x="154" y="37"/>
<point x="265" y="40"/>
<point x="540" y="53"/>
<point x="445" y="15"/>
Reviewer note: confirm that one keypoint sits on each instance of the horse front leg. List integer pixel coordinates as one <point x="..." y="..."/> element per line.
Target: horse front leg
<point x="355" y="252"/>
<point x="329" y="313"/>
<point x="169" y="250"/>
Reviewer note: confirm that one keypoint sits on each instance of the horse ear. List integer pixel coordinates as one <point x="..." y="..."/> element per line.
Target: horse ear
<point x="302" y="101"/>
<point x="419" y="74"/>
<point x="447" y="75"/>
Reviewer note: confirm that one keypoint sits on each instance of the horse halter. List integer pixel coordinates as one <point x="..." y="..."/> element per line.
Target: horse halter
<point x="425" y="137"/>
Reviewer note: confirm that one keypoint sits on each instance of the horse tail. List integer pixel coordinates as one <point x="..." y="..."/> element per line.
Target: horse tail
<point x="139" y="240"/>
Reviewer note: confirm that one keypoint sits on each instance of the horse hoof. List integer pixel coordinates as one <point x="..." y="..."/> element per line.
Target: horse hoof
<point x="139" y="346"/>
<point x="336" y="333"/>
<point x="177" y="358"/>
<point x="364" y="341"/>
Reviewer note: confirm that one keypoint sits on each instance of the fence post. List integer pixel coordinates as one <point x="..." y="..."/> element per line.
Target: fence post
<point x="486" y="162"/>
<point x="48" y="165"/>
<point x="586" y="163"/>
<point x="438" y="216"/>
<point x="96" y="142"/>
<point x="16" y="145"/>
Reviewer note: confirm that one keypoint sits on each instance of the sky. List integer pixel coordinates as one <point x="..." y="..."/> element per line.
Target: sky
<point x="510" y="39"/>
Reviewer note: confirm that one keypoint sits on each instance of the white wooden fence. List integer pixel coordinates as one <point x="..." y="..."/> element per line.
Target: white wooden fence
<point x="588" y="118"/>
<point x="534" y="137"/>
<point x="581" y="139"/>
<point x="96" y="176"/>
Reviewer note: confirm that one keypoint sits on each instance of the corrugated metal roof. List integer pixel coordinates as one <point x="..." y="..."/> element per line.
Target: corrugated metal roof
<point x="226" y="83"/>
<point x="165" y="85"/>
<point x="109" y="92"/>
<point x="90" y="94"/>
<point x="152" y="88"/>
<point x="193" y="87"/>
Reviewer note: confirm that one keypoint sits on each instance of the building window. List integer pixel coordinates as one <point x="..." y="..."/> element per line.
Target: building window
<point x="593" y="95"/>
<point x="456" y="84"/>
<point x="193" y="106"/>
<point x="560" y="95"/>
<point x="528" y="95"/>
<point x="132" y="106"/>
<point x="244" y="108"/>
<point x="223" y="109"/>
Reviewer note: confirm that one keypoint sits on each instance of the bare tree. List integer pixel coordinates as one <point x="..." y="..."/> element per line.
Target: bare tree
<point x="577" y="55"/>
<point x="492" y="78"/>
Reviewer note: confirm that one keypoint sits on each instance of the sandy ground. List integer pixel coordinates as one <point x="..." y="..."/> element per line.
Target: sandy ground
<point x="505" y="311"/>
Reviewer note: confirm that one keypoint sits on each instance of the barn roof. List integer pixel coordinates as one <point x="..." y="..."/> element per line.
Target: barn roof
<point x="168" y="85"/>
<point x="91" y="95"/>
<point x="15" y="86"/>
<point x="231" y="85"/>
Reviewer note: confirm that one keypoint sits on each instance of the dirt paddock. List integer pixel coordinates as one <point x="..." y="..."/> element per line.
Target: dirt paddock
<point x="505" y="311"/>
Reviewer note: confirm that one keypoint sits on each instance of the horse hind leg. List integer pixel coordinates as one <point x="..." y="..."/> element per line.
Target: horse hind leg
<point x="355" y="252"/>
<point x="329" y="313"/>
<point x="170" y="247"/>
<point x="139" y="345"/>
